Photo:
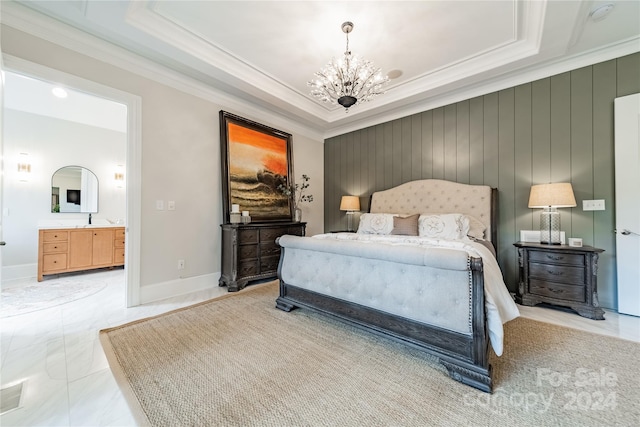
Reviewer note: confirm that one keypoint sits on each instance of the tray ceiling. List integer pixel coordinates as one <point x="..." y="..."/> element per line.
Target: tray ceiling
<point x="266" y="51"/>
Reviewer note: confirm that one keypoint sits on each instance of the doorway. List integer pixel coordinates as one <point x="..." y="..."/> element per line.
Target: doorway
<point x="106" y="111"/>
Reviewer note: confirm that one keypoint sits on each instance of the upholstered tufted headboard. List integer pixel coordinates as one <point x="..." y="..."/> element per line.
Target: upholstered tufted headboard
<point x="438" y="196"/>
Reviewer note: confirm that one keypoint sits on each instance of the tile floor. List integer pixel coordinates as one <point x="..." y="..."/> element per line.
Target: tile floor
<point x="68" y="381"/>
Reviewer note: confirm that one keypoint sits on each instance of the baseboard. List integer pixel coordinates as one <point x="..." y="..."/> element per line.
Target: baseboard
<point x="173" y="288"/>
<point x="21" y="271"/>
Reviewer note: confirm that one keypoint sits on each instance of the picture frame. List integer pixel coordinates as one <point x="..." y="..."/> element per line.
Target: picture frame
<point x="256" y="159"/>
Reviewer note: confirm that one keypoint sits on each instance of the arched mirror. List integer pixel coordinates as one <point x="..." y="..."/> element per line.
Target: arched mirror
<point x="74" y="189"/>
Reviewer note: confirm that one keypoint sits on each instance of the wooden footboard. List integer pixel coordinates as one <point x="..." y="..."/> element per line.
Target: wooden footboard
<point x="465" y="356"/>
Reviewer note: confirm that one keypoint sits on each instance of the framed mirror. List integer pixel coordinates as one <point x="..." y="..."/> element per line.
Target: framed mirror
<point x="74" y="189"/>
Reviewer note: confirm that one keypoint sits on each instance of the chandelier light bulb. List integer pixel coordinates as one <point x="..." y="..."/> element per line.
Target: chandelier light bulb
<point x="348" y="80"/>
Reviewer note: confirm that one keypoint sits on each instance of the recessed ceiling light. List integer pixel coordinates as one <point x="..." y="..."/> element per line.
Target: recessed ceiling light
<point x="59" y="92"/>
<point x="601" y="12"/>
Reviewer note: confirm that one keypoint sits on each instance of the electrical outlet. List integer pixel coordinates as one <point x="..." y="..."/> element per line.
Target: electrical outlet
<point x="593" y="205"/>
<point x="171" y="205"/>
<point x="180" y="264"/>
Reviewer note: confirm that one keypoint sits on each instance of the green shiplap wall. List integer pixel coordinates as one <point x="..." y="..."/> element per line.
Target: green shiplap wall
<point x="556" y="129"/>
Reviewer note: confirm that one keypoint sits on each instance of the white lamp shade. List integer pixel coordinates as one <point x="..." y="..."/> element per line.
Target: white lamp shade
<point x="557" y="195"/>
<point x="350" y="203"/>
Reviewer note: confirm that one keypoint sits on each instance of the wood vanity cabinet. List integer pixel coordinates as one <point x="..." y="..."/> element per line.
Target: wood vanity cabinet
<point x="250" y="251"/>
<point x="65" y="250"/>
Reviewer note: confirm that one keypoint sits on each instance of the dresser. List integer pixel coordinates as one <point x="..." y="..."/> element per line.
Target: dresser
<point x="64" y="250"/>
<point x="560" y="275"/>
<point x="250" y="251"/>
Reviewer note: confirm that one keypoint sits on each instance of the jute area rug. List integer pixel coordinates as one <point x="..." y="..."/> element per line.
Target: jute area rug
<point x="238" y="361"/>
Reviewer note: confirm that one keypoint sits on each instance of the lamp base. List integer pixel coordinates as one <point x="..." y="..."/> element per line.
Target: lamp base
<point x="349" y="221"/>
<point x="550" y="227"/>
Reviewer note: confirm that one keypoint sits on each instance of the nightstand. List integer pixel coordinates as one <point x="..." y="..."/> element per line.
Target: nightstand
<point x="560" y="275"/>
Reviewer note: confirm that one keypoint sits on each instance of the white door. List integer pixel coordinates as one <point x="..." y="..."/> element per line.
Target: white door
<point x="627" y="156"/>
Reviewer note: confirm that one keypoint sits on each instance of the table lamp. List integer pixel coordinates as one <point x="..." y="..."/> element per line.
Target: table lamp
<point x="550" y="197"/>
<point x="350" y="204"/>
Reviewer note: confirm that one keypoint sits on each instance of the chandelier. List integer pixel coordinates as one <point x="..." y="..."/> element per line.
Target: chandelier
<point x="348" y="80"/>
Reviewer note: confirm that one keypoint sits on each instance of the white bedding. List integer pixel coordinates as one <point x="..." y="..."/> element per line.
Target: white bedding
<point x="499" y="304"/>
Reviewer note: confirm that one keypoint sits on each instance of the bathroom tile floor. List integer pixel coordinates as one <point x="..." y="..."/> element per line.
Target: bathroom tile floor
<point x="67" y="378"/>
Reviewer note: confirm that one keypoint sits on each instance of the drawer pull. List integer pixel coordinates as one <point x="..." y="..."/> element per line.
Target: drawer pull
<point x="555" y="273"/>
<point x="554" y="257"/>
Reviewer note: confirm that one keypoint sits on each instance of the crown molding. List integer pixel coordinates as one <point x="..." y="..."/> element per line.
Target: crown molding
<point x="36" y="24"/>
<point x="506" y="81"/>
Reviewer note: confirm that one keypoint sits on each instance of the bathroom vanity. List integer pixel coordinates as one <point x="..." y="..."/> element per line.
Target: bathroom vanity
<point x="62" y="250"/>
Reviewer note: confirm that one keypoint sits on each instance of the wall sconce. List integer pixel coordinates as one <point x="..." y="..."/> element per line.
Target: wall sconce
<point x="350" y="204"/>
<point x="24" y="167"/>
<point x="118" y="176"/>
<point x="550" y="197"/>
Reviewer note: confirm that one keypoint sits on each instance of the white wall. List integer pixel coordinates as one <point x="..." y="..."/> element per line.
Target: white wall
<point x="51" y="144"/>
<point x="180" y="161"/>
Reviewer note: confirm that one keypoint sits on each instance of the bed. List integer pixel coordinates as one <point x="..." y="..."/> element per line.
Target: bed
<point x="421" y="270"/>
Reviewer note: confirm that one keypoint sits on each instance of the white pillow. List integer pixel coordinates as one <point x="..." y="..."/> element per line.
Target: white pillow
<point x="476" y="228"/>
<point x="443" y="226"/>
<point x="378" y="223"/>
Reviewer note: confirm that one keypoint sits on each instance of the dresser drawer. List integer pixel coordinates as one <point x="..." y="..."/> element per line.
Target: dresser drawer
<point x="557" y="273"/>
<point x="269" y="235"/>
<point x="269" y="264"/>
<point x="556" y="258"/>
<point x="54" y="262"/>
<point x="48" y="248"/>
<point x="247" y="236"/>
<point x="246" y="268"/>
<point x="557" y="290"/>
<point x="55" y="236"/>
<point x="247" y="252"/>
<point x="296" y="231"/>
<point x="269" y="249"/>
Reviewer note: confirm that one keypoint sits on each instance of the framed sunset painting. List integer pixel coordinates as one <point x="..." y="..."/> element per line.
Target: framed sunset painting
<point x="256" y="159"/>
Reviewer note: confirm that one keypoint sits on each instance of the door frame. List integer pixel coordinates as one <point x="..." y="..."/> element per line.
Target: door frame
<point x="133" y="157"/>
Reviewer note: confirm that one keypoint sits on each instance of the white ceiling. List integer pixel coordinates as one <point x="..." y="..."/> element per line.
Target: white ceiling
<point x="266" y="51"/>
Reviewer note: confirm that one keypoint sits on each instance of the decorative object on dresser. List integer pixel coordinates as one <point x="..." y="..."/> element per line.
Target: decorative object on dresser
<point x="256" y="160"/>
<point x="560" y="275"/>
<point x="550" y="197"/>
<point x="351" y="204"/>
<point x="250" y="252"/>
<point x="295" y="193"/>
<point x="74" y="249"/>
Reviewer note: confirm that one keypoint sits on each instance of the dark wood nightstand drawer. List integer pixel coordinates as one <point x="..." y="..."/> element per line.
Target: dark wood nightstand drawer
<point x="556" y="258"/>
<point x="557" y="290"/>
<point x="557" y="273"/>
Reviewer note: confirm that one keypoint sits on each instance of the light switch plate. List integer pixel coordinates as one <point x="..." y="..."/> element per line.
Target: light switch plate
<point x="593" y="205"/>
<point x="159" y="205"/>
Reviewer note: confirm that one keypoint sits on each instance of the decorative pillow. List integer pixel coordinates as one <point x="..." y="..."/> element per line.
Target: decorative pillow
<point x="476" y="228"/>
<point x="407" y="225"/>
<point x="379" y="223"/>
<point x="444" y="226"/>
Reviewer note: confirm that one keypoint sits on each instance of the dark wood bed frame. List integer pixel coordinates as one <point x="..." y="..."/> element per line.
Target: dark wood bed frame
<point x="466" y="357"/>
